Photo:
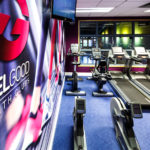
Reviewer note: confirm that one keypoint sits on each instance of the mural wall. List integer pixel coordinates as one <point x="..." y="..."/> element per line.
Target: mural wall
<point x="31" y="70"/>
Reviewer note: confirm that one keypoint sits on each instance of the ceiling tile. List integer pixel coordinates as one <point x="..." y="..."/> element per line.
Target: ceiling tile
<point x="88" y="1"/>
<point x="113" y="0"/>
<point x="82" y="14"/>
<point x="133" y="3"/>
<point x="122" y="7"/>
<point x="109" y="4"/>
<point x="86" y="5"/>
<point x="147" y="1"/>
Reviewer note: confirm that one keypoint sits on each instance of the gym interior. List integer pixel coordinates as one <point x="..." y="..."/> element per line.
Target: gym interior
<point x="75" y="74"/>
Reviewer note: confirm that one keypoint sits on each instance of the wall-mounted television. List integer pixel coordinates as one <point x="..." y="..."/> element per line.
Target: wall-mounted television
<point x="64" y="9"/>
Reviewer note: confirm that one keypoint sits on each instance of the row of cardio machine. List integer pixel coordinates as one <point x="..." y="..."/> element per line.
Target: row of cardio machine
<point x="132" y="88"/>
<point x="100" y="74"/>
<point x="80" y="103"/>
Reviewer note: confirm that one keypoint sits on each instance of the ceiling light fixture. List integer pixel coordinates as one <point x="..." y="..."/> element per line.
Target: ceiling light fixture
<point x="94" y="10"/>
<point x="147" y="11"/>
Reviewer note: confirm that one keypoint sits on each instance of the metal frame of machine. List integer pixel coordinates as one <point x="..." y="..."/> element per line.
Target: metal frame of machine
<point x="102" y="76"/>
<point x="79" y="132"/>
<point x="125" y="107"/>
<point x="75" y="91"/>
<point x="139" y="55"/>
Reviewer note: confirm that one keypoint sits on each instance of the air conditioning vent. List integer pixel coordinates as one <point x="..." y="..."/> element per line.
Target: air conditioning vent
<point x="145" y="6"/>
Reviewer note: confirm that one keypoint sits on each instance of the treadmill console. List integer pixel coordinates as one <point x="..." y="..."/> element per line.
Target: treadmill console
<point x="118" y="52"/>
<point x="136" y="111"/>
<point x="141" y="52"/>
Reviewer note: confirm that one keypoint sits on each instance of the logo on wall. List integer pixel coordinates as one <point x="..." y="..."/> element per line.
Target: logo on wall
<point x="12" y="49"/>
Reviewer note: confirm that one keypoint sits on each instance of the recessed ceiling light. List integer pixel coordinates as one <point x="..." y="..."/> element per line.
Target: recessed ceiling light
<point x="93" y="10"/>
<point x="147" y="11"/>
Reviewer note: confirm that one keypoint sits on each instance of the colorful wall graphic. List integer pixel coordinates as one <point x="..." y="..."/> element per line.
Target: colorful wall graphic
<point x="31" y="70"/>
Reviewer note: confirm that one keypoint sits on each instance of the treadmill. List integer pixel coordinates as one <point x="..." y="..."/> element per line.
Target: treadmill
<point x="122" y="85"/>
<point x="141" y="79"/>
<point x="129" y="104"/>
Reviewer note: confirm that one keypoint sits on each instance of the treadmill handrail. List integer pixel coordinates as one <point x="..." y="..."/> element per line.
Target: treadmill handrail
<point x="136" y="59"/>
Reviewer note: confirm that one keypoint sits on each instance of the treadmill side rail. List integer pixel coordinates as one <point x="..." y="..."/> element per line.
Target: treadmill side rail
<point x="123" y="124"/>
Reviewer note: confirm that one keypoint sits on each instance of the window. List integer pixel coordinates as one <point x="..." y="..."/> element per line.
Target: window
<point x="86" y="60"/>
<point x="123" y="28"/>
<point x="142" y="41"/>
<point x="106" y="28"/>
<point x="105" y="42"/>
<point x="105" y="34"/>
<point x="87" y="42"/>
<point x="142" y="27"/>
<point x="124" y="42"/>
<point x="88" y="28"/>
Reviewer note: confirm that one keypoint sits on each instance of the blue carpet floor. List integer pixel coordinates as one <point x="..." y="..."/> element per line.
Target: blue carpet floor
<point x="98" y="125"/>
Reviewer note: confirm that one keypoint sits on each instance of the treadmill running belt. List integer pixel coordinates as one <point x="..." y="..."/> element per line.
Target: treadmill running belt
<point x="145" y="82"/>
<point x="131" y="92"/>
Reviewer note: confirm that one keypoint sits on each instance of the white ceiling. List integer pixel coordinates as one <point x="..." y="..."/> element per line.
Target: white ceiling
<point x="124" y="8"/>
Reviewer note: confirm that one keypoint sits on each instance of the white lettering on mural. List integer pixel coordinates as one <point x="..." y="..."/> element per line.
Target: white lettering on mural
<point x="6" y="101"/>
<point x="14" y="83"/>
<point x="14" y="77"/>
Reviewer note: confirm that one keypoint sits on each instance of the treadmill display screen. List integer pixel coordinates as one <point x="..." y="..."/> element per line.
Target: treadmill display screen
<point x="136" y="110"/>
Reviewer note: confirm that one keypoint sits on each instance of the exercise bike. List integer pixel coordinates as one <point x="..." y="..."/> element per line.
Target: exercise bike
<point x="100" y="73"/>
<point x="75" y="91"/>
